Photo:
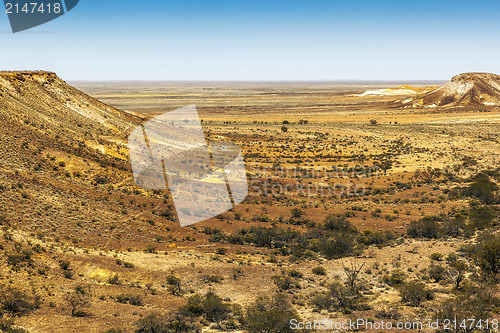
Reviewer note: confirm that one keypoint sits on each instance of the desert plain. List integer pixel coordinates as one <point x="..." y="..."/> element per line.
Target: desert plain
<point x="367" y="200"/>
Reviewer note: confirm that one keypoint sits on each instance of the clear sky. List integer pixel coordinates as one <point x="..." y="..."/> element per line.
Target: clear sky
<point x="261" y="40"/>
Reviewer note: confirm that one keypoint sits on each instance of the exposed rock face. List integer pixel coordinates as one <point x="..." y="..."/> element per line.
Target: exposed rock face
<point x="47" y="102"/>
<point x="401" y="90"/>
<point x="467" y="89"/>
<point x="39" y="109"/>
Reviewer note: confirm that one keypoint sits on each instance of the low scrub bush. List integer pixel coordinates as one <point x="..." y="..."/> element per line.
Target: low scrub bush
<point x="426" y="227"/>
<point x="130" y="299"/>
<point x="270" y="315"/>
<point x="414" y="293"/>
<point x="157" y="323"/>
<point x="320" y="270"/>
<point x="284" y="282"/>
<point x="396" y="278"/>
<point x="16" y="302"/>
<point x="339" y="298"/>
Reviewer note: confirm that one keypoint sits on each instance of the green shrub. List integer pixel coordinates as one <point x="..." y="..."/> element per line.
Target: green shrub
<point x="320" y="270"/>
<point x="114" y="279"/>
<point x="379" y="238"/>
<point x="127" y="264"/>
<point x="150" y="249"/>
<point x="457" y="271"/>
<point x="211" y="278"/>
<point x="396" y="278"/>
<point x="129" y="299"/>
<point x="436" y="256"/>
<point x="414" y="293"/>
<point x="339" y="297"/>
<point x="295" y="274"/>
<point x="338" y="223"/>
<point x="426" y="227"/>
<point x="221" y="250"/>
<point x="457" y="226"/>
<point x="175" y="284"/>
<point x="172" y="323"/>
<point x="78" y="299"/>
<point x="377" y="212"/>
<point x="210" y="306"/>
<point x="472" y="302"/>
<point x="488" y="256"/>
<point x="337" y="246"/>
<point x="214" y="308"/>
<point x="482" y="217"/>
<point x="16" y="302"/>
<point x="428" y="174"/>
<point x="22" y="257"/>
<point x="437" y="272"/>
<point x="64" y="264"/>
<point x="284" y="282"/>
<point x="273" y="237"/>
<point x="270" y="315"/>
<point x="482" y="188"/>
<point x="193" y="307"/>
<point x="166" y="213"/>
<point x="297" y="212"/>
<point x="7" y="326"/>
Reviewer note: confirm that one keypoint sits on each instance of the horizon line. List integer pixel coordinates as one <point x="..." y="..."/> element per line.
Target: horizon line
<point x="264" y="81"/>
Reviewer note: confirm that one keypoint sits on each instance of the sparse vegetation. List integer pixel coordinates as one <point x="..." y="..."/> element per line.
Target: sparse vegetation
<point x="339" y="297"/>
<point x="210" y="306"/>
<point x="319" y="270"/>
<point x="270" y="315"/>
<point x="78" y="299"/>
<point x="174" y="284"/>
<point x="17" y="302"/>
<point x="130" y="299"/>
<point x="157" y="323"/>
<point x="341" y="216"/>
<point x="415" y="293"/>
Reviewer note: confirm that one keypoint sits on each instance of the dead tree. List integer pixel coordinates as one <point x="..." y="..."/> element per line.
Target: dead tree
<point x="78" y="299"/>
<point x="429" y="174"/>
<point x="457" y="271"/>
<point x="352" y="273"/>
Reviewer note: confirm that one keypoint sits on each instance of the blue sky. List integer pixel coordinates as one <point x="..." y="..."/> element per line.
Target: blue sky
<point x="261" y="40"/>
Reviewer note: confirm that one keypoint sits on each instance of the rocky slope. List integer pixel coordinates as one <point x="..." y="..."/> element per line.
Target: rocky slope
<point x="38" y="108"/>
<point x="63" y="155"/>
<point x="403" y="90"/>
<point x="44" y="101"/>
<point x="467" y="89"/>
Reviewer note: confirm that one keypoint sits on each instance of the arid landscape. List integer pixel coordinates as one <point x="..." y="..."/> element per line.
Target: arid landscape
<point x="367" y="200"/>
